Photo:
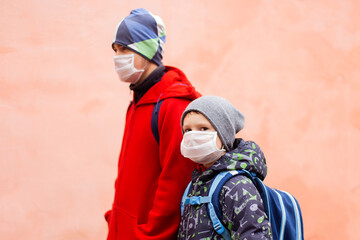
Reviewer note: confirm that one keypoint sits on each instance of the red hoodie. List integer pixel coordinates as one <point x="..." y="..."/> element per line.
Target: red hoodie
<point x="151" y="176"/>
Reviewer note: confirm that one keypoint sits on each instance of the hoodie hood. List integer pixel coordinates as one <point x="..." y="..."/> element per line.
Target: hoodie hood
<point x="246" y="155"/>
<point x="176" y="85"/>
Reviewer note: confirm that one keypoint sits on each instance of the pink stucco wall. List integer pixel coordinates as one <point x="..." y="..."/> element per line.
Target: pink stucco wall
<point x="292" y="67"/>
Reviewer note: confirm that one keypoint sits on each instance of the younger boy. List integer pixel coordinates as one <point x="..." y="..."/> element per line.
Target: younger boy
<point x="209" y="125"/>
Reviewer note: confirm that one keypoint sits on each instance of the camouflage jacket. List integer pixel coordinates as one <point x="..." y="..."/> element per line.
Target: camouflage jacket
<point x="242" y="207"/>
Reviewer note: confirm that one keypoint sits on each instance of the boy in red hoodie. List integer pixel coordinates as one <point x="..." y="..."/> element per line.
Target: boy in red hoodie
<point x="152" y="173"/>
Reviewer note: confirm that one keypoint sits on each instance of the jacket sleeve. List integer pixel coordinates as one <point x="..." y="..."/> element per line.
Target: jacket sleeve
<point x="243" y="210"/>
<point x="164" y="217"/>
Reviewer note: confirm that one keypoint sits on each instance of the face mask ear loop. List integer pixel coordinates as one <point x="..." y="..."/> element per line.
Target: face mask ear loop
<point x="146" y="64"/>
<point x="222" y="145"/>
<point x="143" y="69"/>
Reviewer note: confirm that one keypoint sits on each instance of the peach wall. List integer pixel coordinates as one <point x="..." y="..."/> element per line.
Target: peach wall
<point x="292" y="67"/>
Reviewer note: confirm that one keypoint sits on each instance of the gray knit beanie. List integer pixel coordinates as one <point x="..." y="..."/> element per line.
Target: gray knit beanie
<point x="225" y="118"/>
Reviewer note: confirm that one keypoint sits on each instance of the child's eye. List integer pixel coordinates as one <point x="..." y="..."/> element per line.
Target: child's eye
<point x="187" y="130"/>
<point x="203" y="129"/>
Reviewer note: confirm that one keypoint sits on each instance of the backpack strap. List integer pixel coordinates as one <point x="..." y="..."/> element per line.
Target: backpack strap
<point x="155" y="119"/>
<point x="184" y="197"/>
<point x="197" y="200"/>
<point x="155" y="115"/>
<point x="214" y="209"/>
<point x="218" y="184"/>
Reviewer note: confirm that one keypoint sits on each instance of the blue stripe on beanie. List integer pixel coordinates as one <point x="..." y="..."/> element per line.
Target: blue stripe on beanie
<point x="143" y="33"/>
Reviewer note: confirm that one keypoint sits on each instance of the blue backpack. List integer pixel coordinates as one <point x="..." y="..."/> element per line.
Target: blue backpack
<point x="282" y="208"/>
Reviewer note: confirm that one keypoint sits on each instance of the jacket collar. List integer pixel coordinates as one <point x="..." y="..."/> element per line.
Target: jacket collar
<point x="173" y="84"/>
<point x="151" y="80"/>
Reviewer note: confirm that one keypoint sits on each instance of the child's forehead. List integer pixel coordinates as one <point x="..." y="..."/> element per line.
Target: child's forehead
<point x="195" y="116"/>
<point x="193" y="113"/>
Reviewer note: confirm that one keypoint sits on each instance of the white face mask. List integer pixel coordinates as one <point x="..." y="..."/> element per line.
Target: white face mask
<point x="124" y="66"/>
<point x="200" y="147"/>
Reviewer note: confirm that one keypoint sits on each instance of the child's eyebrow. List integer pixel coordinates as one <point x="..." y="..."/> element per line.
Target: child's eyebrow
<point x="203" y="122"/>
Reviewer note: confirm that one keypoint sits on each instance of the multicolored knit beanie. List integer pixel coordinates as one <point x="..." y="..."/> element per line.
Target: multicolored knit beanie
<point x="143" y="33"/>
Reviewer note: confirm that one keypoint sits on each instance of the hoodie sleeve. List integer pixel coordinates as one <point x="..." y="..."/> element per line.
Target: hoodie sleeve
<point x="243" y="210"/>
<point x="164" y="217"/>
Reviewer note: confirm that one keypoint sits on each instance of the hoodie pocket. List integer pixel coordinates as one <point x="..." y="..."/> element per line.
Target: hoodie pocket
<point x="124" y="224"/>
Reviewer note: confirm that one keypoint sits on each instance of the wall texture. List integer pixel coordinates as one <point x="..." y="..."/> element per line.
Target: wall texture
<point x="292" y="67"/>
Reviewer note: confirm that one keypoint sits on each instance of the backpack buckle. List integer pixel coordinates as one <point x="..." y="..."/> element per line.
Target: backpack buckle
<point x="195" y="201"/>
<point x="217" y="226"/>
